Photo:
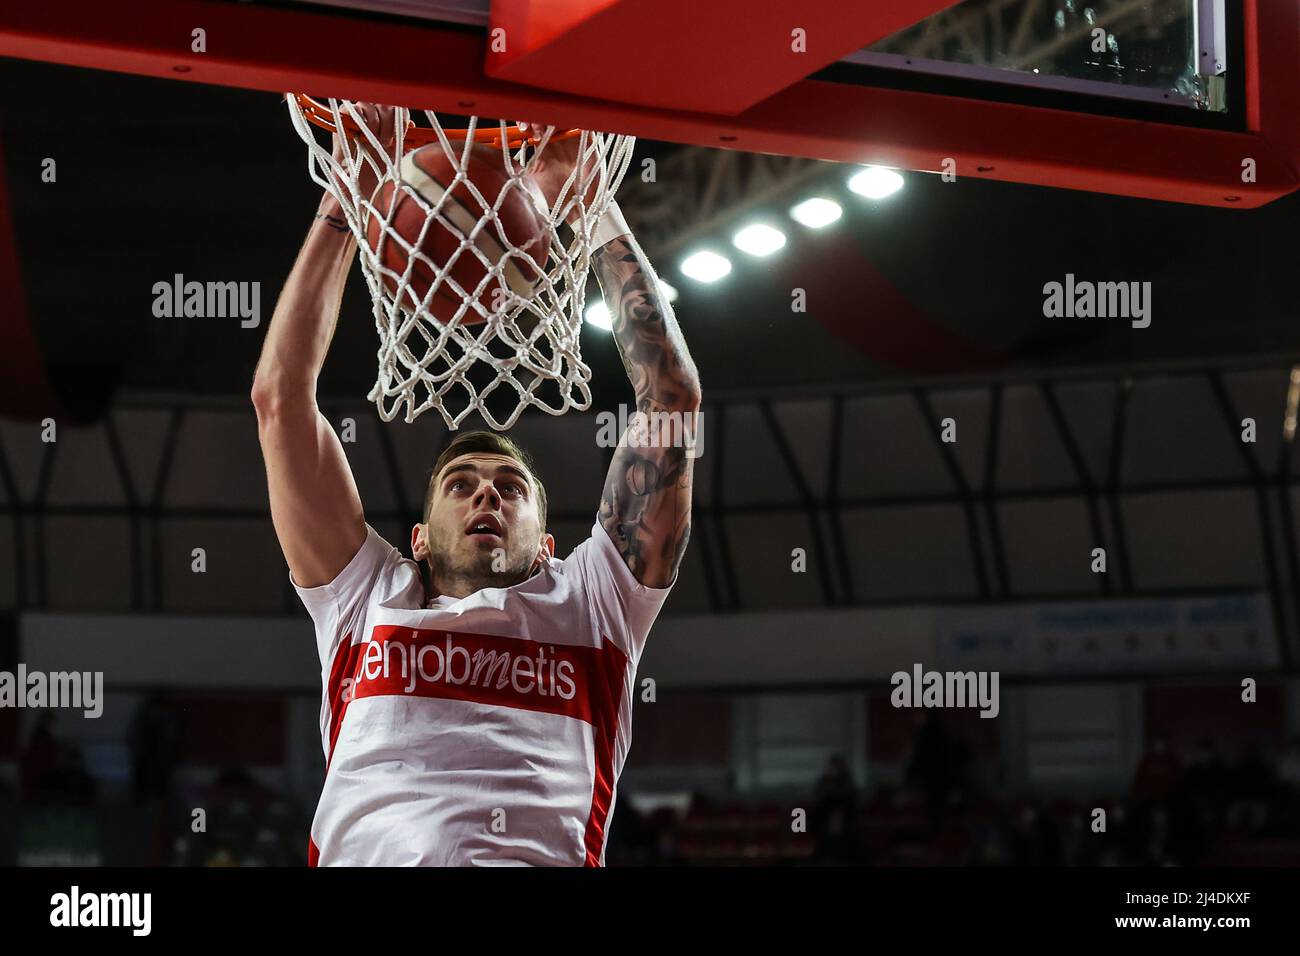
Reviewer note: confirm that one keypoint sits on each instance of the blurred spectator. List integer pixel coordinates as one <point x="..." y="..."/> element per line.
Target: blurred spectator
<point x="1206" y="775"/>
<point x="153" y="738"/>
<point x="834" y="817"/>
<point x="53" y="772"/>
<point x="1078" y="848"/>
<point x="937" y="767"/>
<point x="667" y="850"/>
<point x="1288" y="768"/>
<point x="1254" y="778"/>
<point x="1158" y="773"/>
<point x="629" y="835"/>
<point x="1036" y="840"/>
<point x="68" y="784"/>
<point x="1254" y="786"/>
<point x="39" y="757"/>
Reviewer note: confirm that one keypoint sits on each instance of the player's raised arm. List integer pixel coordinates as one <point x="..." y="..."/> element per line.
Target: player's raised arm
<point x="314" y="501"/>
<point x="646" y="504"/>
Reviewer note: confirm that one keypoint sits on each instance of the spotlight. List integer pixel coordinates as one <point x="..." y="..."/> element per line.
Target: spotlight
<point x="706" y="266"/>
<point x="816" y="213"/>
<point x="759" y="240"/>
<point x="597" y="314"/>
<point x="876" y="182"/>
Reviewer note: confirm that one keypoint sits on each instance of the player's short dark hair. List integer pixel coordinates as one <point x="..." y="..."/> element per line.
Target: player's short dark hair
<point x="487" y="443"/>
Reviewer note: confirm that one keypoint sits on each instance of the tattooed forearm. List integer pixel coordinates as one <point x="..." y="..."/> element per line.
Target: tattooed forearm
<point x="646" y="504"/>
<point x="646" y="509"/>
<point x="645" y="329"/>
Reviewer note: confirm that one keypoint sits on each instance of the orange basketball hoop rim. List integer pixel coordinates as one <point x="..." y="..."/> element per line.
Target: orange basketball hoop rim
<point x="416" y="136"/>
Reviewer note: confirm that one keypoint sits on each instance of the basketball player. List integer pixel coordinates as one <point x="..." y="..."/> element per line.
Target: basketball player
<point x="484" y="722"/>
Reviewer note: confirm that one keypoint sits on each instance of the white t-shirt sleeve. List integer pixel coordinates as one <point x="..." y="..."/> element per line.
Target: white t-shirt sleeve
<point x="337" y="608"/>
<point x="624" y="608"/>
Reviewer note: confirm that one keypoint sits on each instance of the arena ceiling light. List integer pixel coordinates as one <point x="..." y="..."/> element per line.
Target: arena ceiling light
<point x="876" y="182"/>
<point x="597" y="314"/>
<point x="759" y="239"/>
<point x="669" y="291"/>
<point x="706" y="266"/>
<point x="817" y="212"/>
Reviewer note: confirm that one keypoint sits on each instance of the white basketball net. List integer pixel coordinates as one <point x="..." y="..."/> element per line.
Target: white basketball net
<point x="527" y="342"/>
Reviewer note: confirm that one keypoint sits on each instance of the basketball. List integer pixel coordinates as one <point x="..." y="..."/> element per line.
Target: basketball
<point x="429" y="173"/>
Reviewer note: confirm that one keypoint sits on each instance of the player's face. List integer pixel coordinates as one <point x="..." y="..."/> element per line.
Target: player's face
<point x="483" y="521"/>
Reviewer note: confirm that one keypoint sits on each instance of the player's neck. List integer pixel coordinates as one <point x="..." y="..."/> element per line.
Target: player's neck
<point x="459" y="586"/>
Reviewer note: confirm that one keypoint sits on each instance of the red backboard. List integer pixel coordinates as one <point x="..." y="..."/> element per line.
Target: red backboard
<point x="984" y="89"/>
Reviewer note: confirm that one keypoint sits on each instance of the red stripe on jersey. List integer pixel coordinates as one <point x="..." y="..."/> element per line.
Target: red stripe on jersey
<point x="607" y="694"/>
<point x="343" y="674"/>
